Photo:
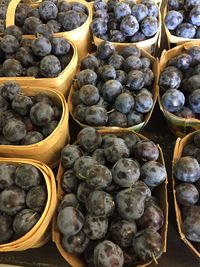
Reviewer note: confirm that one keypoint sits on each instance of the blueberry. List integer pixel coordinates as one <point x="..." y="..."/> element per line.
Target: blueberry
<point x="146" y="62"/>
<point x="95" y="227"/>
<point x="98" y="26"/>
<point x="148" y="76"/>
<point x="65" y="60"/>
<point x="104" y="258"/>
<point x="75" y="244"/>
<point x="140" y="11"/>
<point x="173" y="100"/>
<point x="100" y="203"/>
<point x="7" y="172"/>
<point x="34" y="13"/>
<point x="173" y="19"/>
<point x="122" y="232"/>
<point x="147" y="244"/>
<point x="36" y="198"/>
<point x="48" y="10"/>
<point x="186" y="30"/>
<point x="96" y="116"/>
<point x="194" y="99"/>
<point x="86" y="77"/>
<point x="129" y="25"/>
<point x="30" y="25"/>
<point x="193" y="83"/>
<point x="101" y="14"/>
<point x="149" y="26"/>
<point x="12" y="200"/>
<point x="111" y="4"/>
<point x="187" y="169"/>
<point x="146" y="150"/>
<point x="117" y="119"/>
<point x="116" y="149"/>
<point x="89" y="95"/>
<point x="124" y="103"/>
<point x="50" y="66"/>
<point x="194" y="52"/>
<point x="89" y="139"/>
<point x="9" y="44"/>
<point x="191" y="150"/>
<point x="121" y="10"/>
<point x="14" y="31"/>
<point x="70" y="221"/>
<point x="98" y="177"/>
<point x="135" y="80"/>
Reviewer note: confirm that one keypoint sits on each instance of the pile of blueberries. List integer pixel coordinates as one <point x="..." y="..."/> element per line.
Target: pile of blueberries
<point x="113" y="88"/>
<point x="23" y="197"/>
<point x="50" y="16"/>
<point x="183" y="18"/>
<point x="3" y="10"/>
<point x="41" y="57"/>
<point x="26" y="120"/>
<point x="180" y="84"/>
<point x="108" y="212"/>
<point x="187" y="173"/>
<point x="125" y="21"/>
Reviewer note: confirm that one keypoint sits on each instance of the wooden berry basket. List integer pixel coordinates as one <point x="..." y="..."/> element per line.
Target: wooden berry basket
<point x="61" y="83"/>
<point x="41" y="232"/>
<point x="179" y="126"/>
<point x="80" y="37"/>
<point x="137" y="127"/>
<point x="173" y="39"/>
<point x="47" y="150"/>
<point x="149" y="45"/>
<point x="180" y="144"/>
<point x="160" y="192"/>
